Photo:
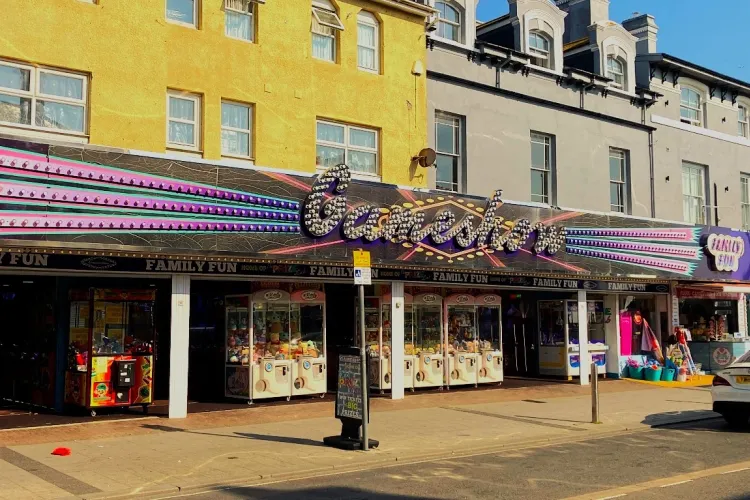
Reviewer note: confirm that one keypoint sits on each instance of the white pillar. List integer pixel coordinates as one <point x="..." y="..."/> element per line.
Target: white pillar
<point x="179" y="350"/>
<point x="612" y="333"/>
<point x="583" y="338"/>
<point x="397" y="340"/>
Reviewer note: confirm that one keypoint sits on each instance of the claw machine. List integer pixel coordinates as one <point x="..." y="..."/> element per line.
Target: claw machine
<point x="308" y="342"/>
<point x="110" y="349"/>
<point x="489" y="326"/>
<point x="462" y="344"/>
<point x="381" y="366"/>
<point x="596" y="330"/>
<point x="237" y="362"/>
<point x="553" y="337"/>
<point x="428" y="340"/>
<point x="270" y="338"/>
<point x="559" y="350"/>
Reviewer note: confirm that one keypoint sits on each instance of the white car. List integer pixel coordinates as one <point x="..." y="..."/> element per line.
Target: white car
<point x="730" y="391"/>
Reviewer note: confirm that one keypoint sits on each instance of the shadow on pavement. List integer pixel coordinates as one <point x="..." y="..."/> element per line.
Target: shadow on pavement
<point x="678" y="417"/>
<point x="336" y="492"/>
<point x="280" y="439"/>
<point x="238" y="435"/>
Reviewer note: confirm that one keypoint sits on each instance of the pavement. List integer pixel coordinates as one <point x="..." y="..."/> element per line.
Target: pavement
<point x="154" y="456"/>
<point x="678" y="461"/>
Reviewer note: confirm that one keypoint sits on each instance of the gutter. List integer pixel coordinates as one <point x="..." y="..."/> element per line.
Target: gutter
<point x="408" y="6"/>
<point x="491" y="89"/>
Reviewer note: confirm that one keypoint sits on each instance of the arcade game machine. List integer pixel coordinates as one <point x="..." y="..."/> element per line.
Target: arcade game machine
<point x="381" y="366"/>
<point x="490" y="334"/>
<point x="110" y="349"/>
<point x="553" y="337"/>
<point x="237" y="362"/>
<point x="308" y="342"/>
<point x="374" y="342"/>
<point x="270" y="338"/>
<point x="463" y="347"/>
<point x="429" y="340"/>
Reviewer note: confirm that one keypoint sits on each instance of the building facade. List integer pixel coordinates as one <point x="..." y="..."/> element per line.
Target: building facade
<point x="290" y="85"/>
<point x="567" y="108"/>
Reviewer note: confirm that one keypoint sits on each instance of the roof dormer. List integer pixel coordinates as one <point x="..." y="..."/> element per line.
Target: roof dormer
<point x="534" y="27"/>
<point x="455" y="22"/>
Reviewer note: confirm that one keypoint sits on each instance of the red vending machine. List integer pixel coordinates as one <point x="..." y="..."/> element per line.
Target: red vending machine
<point x="110" y="349"/>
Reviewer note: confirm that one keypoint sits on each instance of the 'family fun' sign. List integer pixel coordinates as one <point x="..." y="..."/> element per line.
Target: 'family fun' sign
<point x="726" y="251"/>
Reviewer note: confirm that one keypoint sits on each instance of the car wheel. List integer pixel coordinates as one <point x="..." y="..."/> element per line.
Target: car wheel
<point x="736" y="419"/>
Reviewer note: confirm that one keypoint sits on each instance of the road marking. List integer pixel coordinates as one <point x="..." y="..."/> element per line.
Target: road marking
<point x="675" y="484"/>
<point x="613" y="496"/>
<point x="663" y="482"/>
<point x="736" y="470"/>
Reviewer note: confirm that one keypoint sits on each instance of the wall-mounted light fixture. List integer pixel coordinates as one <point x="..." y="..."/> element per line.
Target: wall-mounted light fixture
<point x="726" y="189"/>
<point x="724" y="120"/>
<point x="666" y="178"/>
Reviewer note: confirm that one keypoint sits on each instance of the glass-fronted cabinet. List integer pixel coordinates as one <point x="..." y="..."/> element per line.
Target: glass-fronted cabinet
<point x="428" y="340"/>
<point x="559" y="331"/>
<point x="489" y="327"/>
<point x="462" y="341"/>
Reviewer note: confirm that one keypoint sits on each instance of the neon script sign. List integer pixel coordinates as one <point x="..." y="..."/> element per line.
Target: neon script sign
<point x="726" y="251"/>
<point x="322" y="213"/>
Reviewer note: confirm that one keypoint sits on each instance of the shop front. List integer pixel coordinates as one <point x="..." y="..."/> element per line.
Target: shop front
<point x="715" y="324"/>
<point x="259" y="296"/>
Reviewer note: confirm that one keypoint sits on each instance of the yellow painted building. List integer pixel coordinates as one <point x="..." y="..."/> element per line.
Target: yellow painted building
<point x="236" y="69"/>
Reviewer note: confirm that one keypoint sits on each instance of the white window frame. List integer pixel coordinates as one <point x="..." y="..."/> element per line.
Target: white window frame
<point x="699" y="109"/>
<point x="196" y="11"/>
<point x="323" y="6"/>
<point x="546" y="140"/>
<point x="540" y="55"/>
<point x="197" y="103"/>
<point x="249" y="10"/>
<point x="743" y="126"/>
<point x="745" y="201"/>
<point x="248" y="131"/>
<point x="368" y="19"/>
<point x="34" y="94"/>
<point x="346" y="146"/>
<point x="623" y="183"/>
<point x="612" y="74"/>
<point x="695" y="168"/>
<point x="458" y="25"/>
<point x="454" y="122"/>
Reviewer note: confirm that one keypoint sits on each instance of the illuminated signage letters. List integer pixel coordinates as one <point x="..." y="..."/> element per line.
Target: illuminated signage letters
<point x="726" y="251"/>
<point x="324" y="212"/>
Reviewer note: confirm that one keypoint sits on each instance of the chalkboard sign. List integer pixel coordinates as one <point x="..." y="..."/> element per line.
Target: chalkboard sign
<point x="349" y="402"/>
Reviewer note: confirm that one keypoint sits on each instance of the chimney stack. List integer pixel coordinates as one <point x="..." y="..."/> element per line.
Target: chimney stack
<point x="644" y="28"/>
<point x="581" y="15"/>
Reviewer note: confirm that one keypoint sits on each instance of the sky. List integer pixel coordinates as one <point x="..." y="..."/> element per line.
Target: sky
<point x="717" y="38"/>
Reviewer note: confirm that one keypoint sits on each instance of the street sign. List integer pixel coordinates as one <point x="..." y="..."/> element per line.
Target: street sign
<point x="362" y="271"/>
<point x="361" y="258"/>
<point x="362" y="276"/>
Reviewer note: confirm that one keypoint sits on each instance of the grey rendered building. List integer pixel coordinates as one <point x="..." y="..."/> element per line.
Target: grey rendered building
<point x="558" y="105"/>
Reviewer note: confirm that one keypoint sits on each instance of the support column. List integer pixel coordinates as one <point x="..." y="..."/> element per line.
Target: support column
<point x="612" y="334"/>
<point x="180" y="345"/>
<point x="397" y="340"/>
<point x="583" y="338"/>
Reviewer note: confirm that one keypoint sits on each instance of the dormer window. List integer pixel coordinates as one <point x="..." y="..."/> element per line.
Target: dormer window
<point x="690" y="106"/>
<point x="616" y="71"/>
<point x="449" y="21"/>
<point x="540" y="48"/>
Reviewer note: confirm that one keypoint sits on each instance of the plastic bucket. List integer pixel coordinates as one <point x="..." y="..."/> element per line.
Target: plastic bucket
<point x="635" y="372"/>
<point x="652" y="375"/>
<point x="667" y="374"/>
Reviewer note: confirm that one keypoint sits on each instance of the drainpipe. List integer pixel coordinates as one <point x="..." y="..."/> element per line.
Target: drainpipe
<point x="716" y="205"/>
<point x="651" y="168"/>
